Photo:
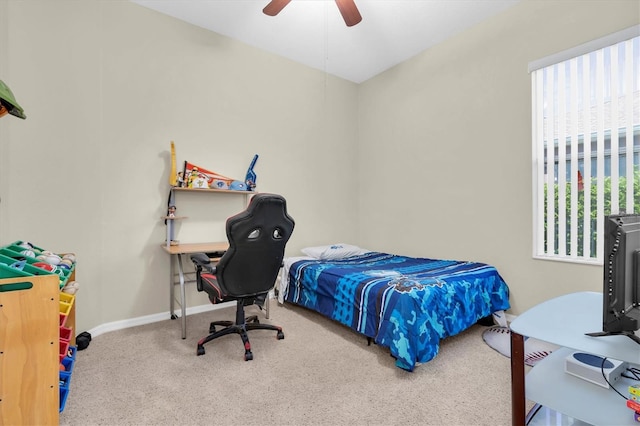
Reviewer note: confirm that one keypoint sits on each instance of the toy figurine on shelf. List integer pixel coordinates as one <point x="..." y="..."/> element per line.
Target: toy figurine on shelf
<point x="251" y="177"/>
<point x="194" y="181"/>
<point x="171" y="214"/>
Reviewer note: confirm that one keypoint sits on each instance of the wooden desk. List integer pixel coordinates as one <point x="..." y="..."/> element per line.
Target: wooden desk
<point x="175" y="257"/>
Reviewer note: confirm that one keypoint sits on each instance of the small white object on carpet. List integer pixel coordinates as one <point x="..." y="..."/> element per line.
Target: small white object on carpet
<point x="499" y="338"/>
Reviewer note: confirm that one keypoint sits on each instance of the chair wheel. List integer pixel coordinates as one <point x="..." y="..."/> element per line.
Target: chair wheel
<point x="248" y="356"/>
<point x="200" y="350"/>
<point x="280" y="335"/>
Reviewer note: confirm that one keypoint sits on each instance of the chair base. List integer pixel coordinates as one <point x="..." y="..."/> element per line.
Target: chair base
<point x="241" y="326"/>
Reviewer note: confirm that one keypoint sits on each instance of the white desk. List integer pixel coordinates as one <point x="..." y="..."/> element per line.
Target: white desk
<point x="564" y="322"/>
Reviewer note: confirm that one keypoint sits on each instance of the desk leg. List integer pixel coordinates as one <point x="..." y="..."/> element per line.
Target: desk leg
<point x="266" y="314"/>
<point x="182" y="298"/>
<point x="172" y="272"/>
<point x="517" y="380"/>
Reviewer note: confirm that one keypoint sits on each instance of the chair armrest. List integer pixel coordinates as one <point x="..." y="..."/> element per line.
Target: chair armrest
<point x="202" y="260"/>
<point x="202" y="263"/>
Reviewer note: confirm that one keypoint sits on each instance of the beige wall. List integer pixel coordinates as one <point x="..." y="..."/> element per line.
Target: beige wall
<point x="431" y="158"/>
<point x="445" y="145"/>
<point x="106" y="85"/>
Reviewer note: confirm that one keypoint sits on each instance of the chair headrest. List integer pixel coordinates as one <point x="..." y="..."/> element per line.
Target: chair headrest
<point x="257" y="239"/>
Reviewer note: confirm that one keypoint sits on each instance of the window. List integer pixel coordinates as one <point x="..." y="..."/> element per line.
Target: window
<point x="586" y="144"/>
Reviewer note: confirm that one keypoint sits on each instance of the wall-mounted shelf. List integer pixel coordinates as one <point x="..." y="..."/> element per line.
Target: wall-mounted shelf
<point x="172" y="190"/>
<point x="220" y="191"/>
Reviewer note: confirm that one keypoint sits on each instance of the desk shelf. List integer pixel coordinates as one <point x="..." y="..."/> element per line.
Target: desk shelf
<point x="176" y="250"/>
<point x="551" y="387"/>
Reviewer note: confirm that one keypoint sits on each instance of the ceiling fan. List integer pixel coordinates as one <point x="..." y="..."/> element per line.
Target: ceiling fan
<point x="347" y="8"/>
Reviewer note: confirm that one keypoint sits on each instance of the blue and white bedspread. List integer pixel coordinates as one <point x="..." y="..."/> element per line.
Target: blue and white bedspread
<point x="406" y="304"/>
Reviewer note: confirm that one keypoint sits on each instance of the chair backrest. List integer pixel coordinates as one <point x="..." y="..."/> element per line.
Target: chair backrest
<point x="257" y="239"/>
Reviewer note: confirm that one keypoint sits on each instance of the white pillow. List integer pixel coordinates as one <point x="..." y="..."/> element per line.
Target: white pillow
<point x="334" y="251"/>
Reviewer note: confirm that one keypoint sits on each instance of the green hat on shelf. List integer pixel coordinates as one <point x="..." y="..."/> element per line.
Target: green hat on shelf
<point x="8" y="102"/>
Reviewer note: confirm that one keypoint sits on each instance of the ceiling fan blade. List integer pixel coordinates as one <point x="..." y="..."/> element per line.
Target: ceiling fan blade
<point x="349" y="12"/>
<point x="274" y="7"/>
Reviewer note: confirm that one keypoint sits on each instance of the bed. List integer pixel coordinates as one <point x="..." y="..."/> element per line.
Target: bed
<point x="404" y="303"/>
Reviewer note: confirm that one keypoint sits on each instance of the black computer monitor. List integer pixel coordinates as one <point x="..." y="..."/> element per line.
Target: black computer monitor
<point x="621" y="278"/>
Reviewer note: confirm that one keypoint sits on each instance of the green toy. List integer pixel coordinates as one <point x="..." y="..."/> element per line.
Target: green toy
<point x="8" y="103"/>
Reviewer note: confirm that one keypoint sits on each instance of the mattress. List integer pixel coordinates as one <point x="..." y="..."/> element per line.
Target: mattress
<point x="404" y="303"/>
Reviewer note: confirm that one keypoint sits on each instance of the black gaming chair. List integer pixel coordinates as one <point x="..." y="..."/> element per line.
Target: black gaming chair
<point x="247" y="271"/>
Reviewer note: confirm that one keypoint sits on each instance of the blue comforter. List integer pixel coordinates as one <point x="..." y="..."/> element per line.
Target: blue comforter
<point x="406" y="304"/>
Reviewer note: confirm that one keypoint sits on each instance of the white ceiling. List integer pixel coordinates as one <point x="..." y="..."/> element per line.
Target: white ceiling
<point x="312" y="32"/>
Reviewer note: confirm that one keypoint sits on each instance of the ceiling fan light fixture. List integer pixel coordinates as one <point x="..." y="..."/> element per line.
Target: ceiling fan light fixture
<point x="274" y="7"/>
<point x="348" y="10"/>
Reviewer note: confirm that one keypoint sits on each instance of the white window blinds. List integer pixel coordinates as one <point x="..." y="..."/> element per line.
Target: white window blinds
<point x="586" y="146"/>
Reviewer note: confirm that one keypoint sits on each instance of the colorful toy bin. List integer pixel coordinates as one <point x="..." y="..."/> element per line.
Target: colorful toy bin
<point x="23" y="259"/>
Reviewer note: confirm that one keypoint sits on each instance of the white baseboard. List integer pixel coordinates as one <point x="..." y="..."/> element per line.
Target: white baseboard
<point x="148" y="319"/>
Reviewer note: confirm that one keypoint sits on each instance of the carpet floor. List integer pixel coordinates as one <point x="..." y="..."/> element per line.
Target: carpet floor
<point x="322" y="373"/>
